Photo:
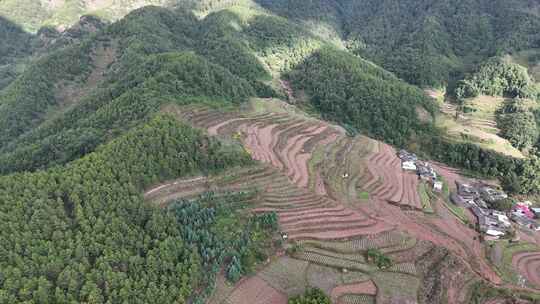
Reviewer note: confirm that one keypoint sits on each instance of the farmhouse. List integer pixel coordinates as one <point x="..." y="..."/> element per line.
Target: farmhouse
<point x="524" y="221"/>
<point x="524" y="210"/>
<point x="466" y="191"/>
<point x="491" y="195"/>
<point x="426" y="171"/>
<point x="408" y="165"/>
<point x="490" y="222"/>
<point x="502" y="218"/>
<point x="458" y="200"/>
<point x="407" y="157"/>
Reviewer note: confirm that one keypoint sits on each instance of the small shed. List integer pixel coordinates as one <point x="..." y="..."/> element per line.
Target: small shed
<point x="494" y="232"/>
<point x="438" y="186"/>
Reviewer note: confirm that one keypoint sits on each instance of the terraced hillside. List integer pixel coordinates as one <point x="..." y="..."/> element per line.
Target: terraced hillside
<point x="478" y="125"/>
<point x="337" y="197"/>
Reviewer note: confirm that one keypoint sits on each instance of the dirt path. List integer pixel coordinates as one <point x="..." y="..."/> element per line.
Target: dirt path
<point x="287" y="87"/>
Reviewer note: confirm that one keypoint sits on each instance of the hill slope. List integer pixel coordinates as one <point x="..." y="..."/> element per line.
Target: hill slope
<point x="72" y="99"/>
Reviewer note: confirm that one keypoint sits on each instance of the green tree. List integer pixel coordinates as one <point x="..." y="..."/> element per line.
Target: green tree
<point x="311" y="296"/>
<point x="234" y="270"/>
<point x="530" y="175"/>
<point x="519" y="128"/>
<point x="503" y="205"/>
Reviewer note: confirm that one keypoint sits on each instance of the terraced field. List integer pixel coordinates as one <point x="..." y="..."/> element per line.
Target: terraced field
<point x="528" y="265"/>
<point x="389" y="182"/>
<point x="336" y="197"/>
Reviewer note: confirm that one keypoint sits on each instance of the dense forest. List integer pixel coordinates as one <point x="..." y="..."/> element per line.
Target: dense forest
<point x="82" y="233"/>
<point x="519" y="123"/>
<point x="357" y="93"/>
<point x="16" y="45"/>
<point x="428" y="43"/>
<point x="497" y="77"/>
<point x="155" y="64"/>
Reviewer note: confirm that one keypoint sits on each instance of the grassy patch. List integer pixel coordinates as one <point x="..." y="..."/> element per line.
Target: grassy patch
<point x="363" y="195"/>
<point x="458" y="211"/>
<point x="477" y="126"/>
<point x="396" y="285"/>
<point x="425" y="197"/>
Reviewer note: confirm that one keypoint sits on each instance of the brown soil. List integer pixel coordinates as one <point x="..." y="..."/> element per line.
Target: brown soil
<point x="68" y="93"/>
<point x="308" y="210"/>
<point x="255" y="290"/>
<point x="366" y="287"/>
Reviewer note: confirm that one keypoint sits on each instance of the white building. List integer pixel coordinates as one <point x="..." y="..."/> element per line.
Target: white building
<point x="438" y="186"/>
<point x="494" y="232"/>
<point x="408" y="165"/>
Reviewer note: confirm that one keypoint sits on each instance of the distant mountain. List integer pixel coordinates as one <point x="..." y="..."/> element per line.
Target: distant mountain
<point x="428" y="43"/>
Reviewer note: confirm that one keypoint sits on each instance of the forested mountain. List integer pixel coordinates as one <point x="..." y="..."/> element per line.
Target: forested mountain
<point x="362" y="95"/>
<point x="427" y="43"/>
<point x="424" y="42"/>
<point x="82" y="233"/>
<point x="82" y="133"/>
<point x="73" y="98"/>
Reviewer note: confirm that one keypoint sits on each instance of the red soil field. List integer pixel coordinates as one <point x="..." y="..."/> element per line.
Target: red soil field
<point x="255" y="290"/>
<point x="287" y="146"/>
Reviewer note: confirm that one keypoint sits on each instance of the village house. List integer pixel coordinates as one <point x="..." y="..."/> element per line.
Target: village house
<point x="466" y="191"/>
<point x="481" y="203"/>
<point x="523" y="209"/>
<point x="491" y="195"/>
<point x="410" y="162"/>
<point x="502" y="218"/>
<point x="408" y="165"/>
<point x="407" y="157"/>
<point x="426" y="171"/>
<point x="524" y="221"/>
<point x="488" y="224"/>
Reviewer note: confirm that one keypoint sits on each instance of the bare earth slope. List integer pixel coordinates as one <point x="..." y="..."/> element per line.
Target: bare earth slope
<point x="336" y="197"/>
